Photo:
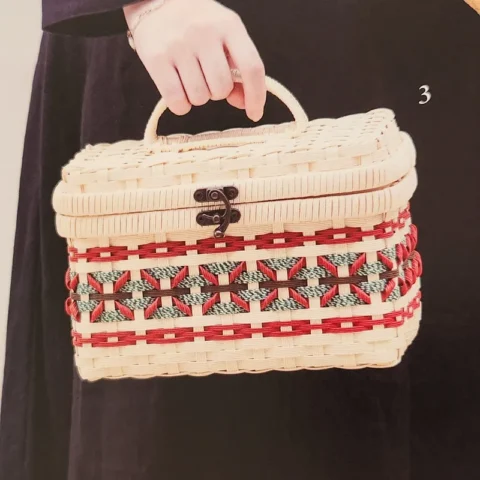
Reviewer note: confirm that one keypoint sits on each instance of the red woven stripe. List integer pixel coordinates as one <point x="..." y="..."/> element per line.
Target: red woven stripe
<point x="361" y="294"/>
<point x="121" y="281"/>
<point x="180" y="277"/>
<point x="234" y="332"/>
<point x="361" y="260"/>
<point x="237" y="271"/>
<point x="124" y="311"/>
<point x="93" y="283"/>
<point x="210" y="277"/>
<point x="72" y="309"/>
<point x="298" y="298"/>
<point x="240" y="302"/>
<point x="266" y="271"/>
<point x="97" y="312"/>
<point x="328" y="296"/>
<point x="271" y="297"/>
<point x="214" y="333"/>
<point x="388" y="290"/>
<point x="71" y="284"/>
<point x="185" y="309"/>
<point x="233" y="244"/>
<point x="151" y="280"/>
<point x="149" y="311"/>
<point x="386" y="261"/>
<point x="302" y="263"/>
<point x="417" y="264"/>
<point x="330" y="267"/>
<point x="210" y="303"/>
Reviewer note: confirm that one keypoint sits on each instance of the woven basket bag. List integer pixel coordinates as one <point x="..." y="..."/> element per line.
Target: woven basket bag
<point x="278" y="247"/>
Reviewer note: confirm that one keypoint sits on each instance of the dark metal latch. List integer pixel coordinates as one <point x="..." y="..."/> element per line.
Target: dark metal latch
<point x="222" y="217"/>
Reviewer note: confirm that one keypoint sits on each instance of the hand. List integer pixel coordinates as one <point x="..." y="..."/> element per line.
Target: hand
<point x="475" y="4"/>
<point x="189" y="47"/>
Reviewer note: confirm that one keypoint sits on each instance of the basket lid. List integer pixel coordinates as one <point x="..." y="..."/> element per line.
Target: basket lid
<point x="299" y="159"/>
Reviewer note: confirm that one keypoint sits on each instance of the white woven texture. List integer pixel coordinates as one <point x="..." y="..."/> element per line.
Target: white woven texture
<point x="353" y="174"/>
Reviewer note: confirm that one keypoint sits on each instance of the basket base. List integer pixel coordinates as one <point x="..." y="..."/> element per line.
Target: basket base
<point x="350" y="351"/>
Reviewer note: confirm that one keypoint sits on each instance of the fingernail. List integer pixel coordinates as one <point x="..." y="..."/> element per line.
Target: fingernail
<point x="257" y="116"/>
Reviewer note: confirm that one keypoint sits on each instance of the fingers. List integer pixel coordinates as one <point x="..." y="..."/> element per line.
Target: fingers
<point x="237" y="97"/>
<point x="244" y="54"/>
<point x="216" y="70"/>
<point x="193" y="81"/>
<point x="192" y="77"/>
<point x="184" y="46"/>
<point x="170" y="86"/>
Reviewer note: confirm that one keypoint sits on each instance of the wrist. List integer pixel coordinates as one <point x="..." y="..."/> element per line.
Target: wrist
<point x="136" y="12"/>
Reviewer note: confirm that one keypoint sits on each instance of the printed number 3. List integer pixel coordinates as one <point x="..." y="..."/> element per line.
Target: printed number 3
<point x="426" y="93"/>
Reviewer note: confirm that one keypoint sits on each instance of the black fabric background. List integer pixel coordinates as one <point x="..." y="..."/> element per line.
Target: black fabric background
<point x="417" y="421"/>
<point x="88" y="18"/>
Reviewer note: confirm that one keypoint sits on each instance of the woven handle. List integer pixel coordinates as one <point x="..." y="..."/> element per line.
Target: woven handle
<point x="215" y="141"/>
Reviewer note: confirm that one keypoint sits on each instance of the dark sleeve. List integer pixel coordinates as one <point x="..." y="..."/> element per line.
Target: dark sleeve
<point x="84" y="17"/>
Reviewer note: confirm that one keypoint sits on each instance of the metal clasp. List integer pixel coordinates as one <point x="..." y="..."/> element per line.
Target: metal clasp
<point x="222" y="217"/>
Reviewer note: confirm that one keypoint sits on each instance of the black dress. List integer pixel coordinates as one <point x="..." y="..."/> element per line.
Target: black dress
<point x="417" y="421"/>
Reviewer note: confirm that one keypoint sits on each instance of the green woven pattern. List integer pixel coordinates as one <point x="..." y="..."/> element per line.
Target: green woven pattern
<point x="85" y="289"/>
<point x="87" y="306"/>
<point x="252" y="277"/>
<point x="312" y="272"/>
<point x="313" y="291"/>
<point x="107" y="277"/>
<point x="194" y="281"/>
<point x="137" y="303"/>
<point x="341" y="259"/>
<point x="112" y="316"/>
<point x="374" y="268"/>
<point x="225" y="309"/>
<point x="137" y="286"/>
<point x="390" y="252"/>
<point x="254" y="295"/>
<point x="280" y="263"/>
<point x="222" y="268"/>
<point x="377" y="286"/>
<point x="195" y="298"/>
<point x="197" y="293"/>
<point x="282" y="304"/>
<point x="395" y="295"/>
<point x="163" y="273"/>
<point x="348" y="300"/>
